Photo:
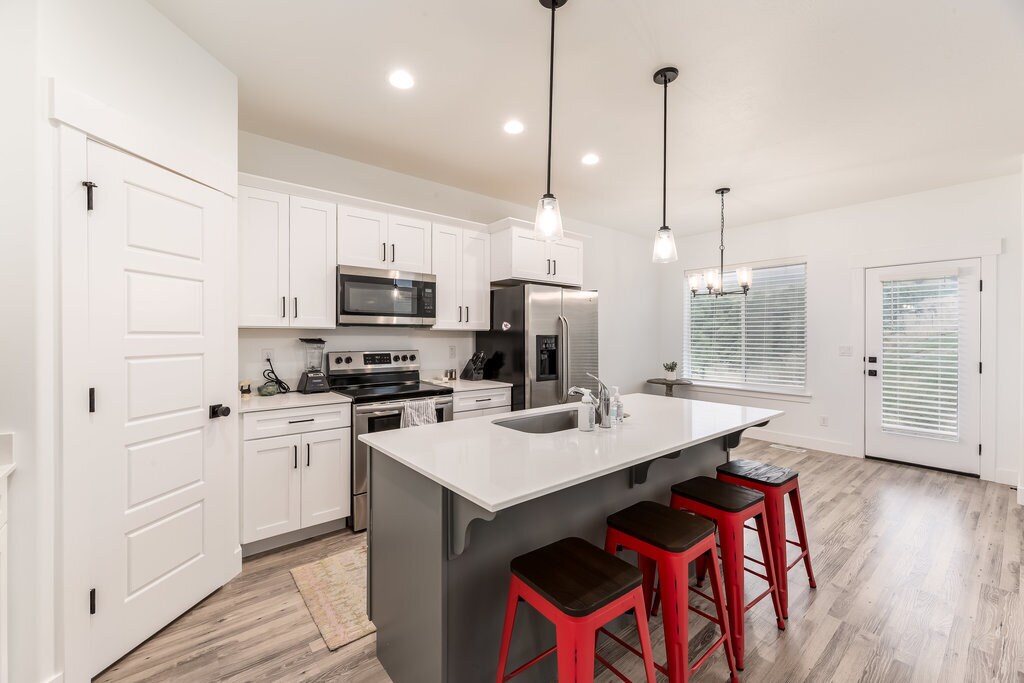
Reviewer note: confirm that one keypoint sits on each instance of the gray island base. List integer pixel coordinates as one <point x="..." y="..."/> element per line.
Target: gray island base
<point x="438" y="563"/>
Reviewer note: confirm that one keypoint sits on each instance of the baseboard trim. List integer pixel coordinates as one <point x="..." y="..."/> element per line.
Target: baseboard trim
<point x="276" y="542"/>
<point x="1008" y="477"/>
<point x="827" y="445"/>
<point x="56" y="678"/>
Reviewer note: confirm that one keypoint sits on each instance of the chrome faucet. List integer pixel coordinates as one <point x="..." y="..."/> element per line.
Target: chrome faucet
<point x="604" y="404"/>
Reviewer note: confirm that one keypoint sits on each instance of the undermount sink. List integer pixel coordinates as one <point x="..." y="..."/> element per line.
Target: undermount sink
<point x="545" y="423"/>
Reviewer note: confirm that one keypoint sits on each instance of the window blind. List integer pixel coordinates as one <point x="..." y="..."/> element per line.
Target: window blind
<point x="921" y="357"/>
<point x="759" y="339"/>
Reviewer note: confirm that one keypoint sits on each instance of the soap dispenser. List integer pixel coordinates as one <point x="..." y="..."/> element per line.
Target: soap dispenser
<point x="587" y="414"/>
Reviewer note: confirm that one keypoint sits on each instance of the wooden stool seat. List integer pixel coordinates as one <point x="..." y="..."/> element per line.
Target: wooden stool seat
<point x="759" y="472"/>
<point x="576" y="576"/>
<point x="661" y="526"/>
<point x="718" y="494"/>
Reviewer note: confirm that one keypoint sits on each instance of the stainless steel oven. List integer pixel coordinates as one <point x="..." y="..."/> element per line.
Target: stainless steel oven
<point x="369" y="418"/>
<point x="368" y="296"/>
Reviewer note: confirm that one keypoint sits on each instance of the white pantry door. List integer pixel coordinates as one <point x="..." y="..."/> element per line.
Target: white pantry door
<point x="162" y="515"/>
<point x="922" y="371"/>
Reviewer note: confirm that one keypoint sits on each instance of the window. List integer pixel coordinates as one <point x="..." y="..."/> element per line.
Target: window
<point x="759" y="339"/>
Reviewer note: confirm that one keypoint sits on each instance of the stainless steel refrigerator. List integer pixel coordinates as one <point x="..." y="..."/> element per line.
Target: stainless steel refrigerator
<point x="543" y="340"/>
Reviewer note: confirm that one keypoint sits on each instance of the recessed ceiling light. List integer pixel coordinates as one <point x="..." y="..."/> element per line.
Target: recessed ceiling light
<point x="590" y="159"/>
<point x="514" y="127"/>
<point x="401" y="79"/>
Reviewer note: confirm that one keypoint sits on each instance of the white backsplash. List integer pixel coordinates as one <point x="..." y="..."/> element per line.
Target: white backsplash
<point x="289" y="353"/>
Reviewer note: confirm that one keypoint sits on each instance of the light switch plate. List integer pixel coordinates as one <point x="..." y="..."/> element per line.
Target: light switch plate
<point x="845" y="350"/>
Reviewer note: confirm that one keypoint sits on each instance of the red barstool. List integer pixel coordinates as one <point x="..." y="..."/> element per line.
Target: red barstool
<point x="670" y="540"/>
<point x="776" y="483"/>
<point x="730" y="506"/>
<point x="579" y="589"/>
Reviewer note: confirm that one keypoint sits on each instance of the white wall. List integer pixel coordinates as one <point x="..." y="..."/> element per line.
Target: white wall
<point x="833" y="243"/>
<point x="615" y="263"/>
<point x="127" y="56"/>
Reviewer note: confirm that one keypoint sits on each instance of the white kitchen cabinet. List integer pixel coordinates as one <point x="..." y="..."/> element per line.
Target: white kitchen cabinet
<point x="286" y="249"/>
<point x="478" y="403"/>
<point x="296" y="480"/>
<point x="311" y="266"/>
<point x="362" y="237"/>
<point x="517" y="255"/>
<point x="374" y="239"/>
<point x="326" y="489"/>
<point x="263" y="258"/>
<point x="461" y="263"/>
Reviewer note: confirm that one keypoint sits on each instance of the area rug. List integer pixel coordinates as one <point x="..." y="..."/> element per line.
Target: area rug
<point x="334" y="590"/>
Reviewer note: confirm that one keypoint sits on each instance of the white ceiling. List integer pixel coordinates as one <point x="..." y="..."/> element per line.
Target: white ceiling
<point x="799" y="105"/>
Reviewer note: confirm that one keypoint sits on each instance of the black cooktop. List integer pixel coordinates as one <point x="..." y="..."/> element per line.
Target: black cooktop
<point x="393" y="392"/>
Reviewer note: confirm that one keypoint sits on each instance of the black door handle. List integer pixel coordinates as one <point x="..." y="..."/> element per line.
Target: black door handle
<point x="872" y="359"/>
<point x="218" y="410"/>
<point x="872" y="373"/>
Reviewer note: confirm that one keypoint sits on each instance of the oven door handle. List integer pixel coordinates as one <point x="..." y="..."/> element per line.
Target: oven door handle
<point x="372" y="412"/>
<point x="395" y="407"/>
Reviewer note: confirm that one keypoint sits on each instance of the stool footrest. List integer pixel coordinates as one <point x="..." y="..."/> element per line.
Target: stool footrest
<point x="797" y="560"/>
<point x="604" y="662"/>
<point x="703" y="658"/>
<point x="629" y="647"/>
<point x="530" y="663"/>
<point x="756" y="600"/>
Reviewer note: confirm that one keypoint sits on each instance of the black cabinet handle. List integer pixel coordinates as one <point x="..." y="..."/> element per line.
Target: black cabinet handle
<point x="307" y="455"/>
<point x="392" y="252"/>
<point x="383" y="251"/>
<point x="467" y="314"/>
<point x="295" y="422"/>
<point x="284" y="307"/>
<point x="460" y="314"/>
<point x="296" y="456"/>
<point x="296" y="307"/>
<point x="549" y="266"/>
<point x="556" y="267"/>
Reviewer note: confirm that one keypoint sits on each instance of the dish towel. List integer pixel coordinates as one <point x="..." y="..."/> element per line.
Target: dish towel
<point x="422" y="412"/>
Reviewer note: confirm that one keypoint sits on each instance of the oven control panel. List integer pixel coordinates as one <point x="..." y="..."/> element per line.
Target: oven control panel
<point x="369" y="361"/>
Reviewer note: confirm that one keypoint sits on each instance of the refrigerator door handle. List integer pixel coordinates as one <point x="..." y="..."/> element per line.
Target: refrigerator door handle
<point x="563" y="389"/>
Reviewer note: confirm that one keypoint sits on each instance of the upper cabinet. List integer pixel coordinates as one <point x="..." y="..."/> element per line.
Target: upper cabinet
<point x="516" y="254"/>
<point x="374" y="239"/>
<point x="286" y="249"/>
<point x="461" y="263"/>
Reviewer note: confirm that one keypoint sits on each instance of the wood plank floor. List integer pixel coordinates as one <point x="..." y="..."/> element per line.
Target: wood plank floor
<point x="918" y="580"/>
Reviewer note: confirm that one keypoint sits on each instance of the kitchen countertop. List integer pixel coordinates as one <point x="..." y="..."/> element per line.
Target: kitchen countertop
<point x="460" y="385"/>
<point x="497" y="467"/>
<point x="292" y="399"/>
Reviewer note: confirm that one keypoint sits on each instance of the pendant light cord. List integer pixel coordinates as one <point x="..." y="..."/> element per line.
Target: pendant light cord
<point x="721" y="246"/>
<point x="551" y="92"/>
<point x="664" y="161"/>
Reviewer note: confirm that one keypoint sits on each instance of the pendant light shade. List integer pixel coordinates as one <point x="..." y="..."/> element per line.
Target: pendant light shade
<point x="664" y="241"/>
<point x="547" y="225"/>
<point x="665" y="246"/>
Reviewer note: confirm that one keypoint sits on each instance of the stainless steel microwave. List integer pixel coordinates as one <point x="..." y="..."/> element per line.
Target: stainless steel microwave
<point x="368" y="296"/>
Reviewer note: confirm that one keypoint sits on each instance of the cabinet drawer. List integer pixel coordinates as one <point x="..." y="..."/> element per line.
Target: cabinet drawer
<point x="482" y="399"/>
<point x="264" y="423"/>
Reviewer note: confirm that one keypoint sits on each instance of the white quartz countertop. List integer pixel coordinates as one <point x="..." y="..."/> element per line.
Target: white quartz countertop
<point x="496" y="467"/>
<point x="292" y="399"/>
<point x="460" y="385"/>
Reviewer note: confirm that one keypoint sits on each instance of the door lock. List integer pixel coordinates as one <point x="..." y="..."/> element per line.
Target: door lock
<point x="872" y="373"/>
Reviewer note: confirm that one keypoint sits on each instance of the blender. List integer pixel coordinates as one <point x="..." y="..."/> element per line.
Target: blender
<point x="314" y="379"/>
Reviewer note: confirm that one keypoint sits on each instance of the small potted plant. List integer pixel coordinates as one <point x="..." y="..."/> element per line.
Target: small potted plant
<point x="670" y="369"/>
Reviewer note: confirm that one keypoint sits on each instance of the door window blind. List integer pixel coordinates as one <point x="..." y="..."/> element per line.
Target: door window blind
<point x="759" y="339"/>
<point x="921" y="356"/>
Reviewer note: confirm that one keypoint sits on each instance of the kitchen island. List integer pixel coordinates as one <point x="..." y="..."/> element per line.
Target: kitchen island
<point x="451" y="504"/>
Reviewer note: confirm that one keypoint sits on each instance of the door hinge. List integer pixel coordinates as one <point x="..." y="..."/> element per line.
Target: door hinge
<point x="92" y="601"/>
<point x="89" y="186"/>
<point x="92" y="399"/>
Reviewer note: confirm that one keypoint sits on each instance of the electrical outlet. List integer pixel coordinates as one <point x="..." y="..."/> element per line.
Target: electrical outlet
<point x="267" y="354"/>
<point x="451" y="351"/>
<point x="823" y="421"/>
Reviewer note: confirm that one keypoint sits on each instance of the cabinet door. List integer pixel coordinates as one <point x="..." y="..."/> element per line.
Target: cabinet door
<point x="312" y="248"/>
<point x="362" y="235"/>
<point x="262" y="258"/>
<point x="529" y="257"/>
<point x="476" y="280"/>
<point x="566" y="261"/>
<point x="408" y="244"/>
<point x="326" y="464"/>
<point x="447" y="267"/>
<point x="270" y="487"/>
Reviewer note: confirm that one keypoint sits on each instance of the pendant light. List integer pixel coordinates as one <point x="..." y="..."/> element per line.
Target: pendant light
<point x="714" y="280"/>
<point x="664" y="241"/>
<point x="548" y="223"/>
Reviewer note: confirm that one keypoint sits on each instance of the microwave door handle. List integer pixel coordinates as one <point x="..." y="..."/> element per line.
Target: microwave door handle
<point x="563" y="342"/>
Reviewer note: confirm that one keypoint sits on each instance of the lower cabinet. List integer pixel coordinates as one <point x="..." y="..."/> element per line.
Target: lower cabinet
<point x="295" y="481"/>
<point x="481" y="402"/>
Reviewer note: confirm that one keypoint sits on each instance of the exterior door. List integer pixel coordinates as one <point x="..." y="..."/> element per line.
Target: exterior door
<point x="314" y="289"/>
<point x="922" y="365"/>
<point x="162" y="473"/>
<point x="262" y="258"/>
<point x="362" y="237"/>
